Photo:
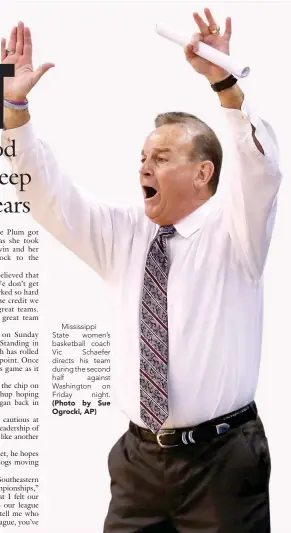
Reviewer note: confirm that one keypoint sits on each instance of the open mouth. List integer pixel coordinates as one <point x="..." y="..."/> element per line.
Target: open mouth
<point x="150" y="192"/>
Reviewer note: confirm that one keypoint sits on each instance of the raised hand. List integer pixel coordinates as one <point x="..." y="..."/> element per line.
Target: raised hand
<point x="221" y="42"/>
<point x="25" y="78"/>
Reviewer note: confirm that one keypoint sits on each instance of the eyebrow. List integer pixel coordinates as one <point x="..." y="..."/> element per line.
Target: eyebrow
<point x="158" y="150"/>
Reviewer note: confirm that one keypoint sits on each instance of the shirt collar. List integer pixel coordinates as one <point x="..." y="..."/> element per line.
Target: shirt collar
<point x="191" y="223"/>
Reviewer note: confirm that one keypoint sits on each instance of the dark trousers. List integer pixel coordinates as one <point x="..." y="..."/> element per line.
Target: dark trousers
<point x="215" y="487"/>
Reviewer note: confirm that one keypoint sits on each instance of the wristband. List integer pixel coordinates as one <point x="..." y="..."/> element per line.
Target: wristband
<point x="224" y="84"/>
<point x="13" y="104"/>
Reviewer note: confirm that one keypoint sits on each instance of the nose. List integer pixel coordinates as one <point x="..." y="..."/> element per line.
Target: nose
<point x="146" y="169"/>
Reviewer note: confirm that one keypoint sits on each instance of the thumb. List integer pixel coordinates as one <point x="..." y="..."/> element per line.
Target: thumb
<point x="41" y="70"/>
<point x="191" y="48"/>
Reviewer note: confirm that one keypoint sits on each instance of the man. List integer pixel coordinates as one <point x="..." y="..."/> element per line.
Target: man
<point x="188" y="279"/>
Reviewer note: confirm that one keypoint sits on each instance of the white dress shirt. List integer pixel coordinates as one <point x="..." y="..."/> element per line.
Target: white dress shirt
<point x="215" y="287"/>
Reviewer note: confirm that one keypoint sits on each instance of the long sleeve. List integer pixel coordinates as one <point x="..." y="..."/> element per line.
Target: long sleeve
<point x="252" y="203"/>
<point x="95" y="232"/>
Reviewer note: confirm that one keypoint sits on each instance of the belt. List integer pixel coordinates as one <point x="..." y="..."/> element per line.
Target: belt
<point x="170" y="438"/>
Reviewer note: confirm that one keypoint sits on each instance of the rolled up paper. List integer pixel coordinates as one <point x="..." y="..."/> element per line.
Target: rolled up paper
<point x="207" y="52"/>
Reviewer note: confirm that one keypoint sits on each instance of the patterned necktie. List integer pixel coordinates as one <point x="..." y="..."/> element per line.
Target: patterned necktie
<point x="154" y="334"/>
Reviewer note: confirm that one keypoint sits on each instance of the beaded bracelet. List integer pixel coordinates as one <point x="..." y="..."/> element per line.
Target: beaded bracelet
<point x="13" y="104"/>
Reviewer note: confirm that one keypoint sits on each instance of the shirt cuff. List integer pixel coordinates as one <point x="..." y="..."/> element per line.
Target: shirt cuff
<point x="24" y="137"/>
<point x="240" y="121"/>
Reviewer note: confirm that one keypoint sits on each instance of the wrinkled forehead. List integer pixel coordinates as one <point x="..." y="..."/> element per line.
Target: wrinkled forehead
<point x="176" y="137"/>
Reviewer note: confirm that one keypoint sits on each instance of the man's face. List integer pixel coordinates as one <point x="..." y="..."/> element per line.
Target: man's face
<point x="167" y="174"/>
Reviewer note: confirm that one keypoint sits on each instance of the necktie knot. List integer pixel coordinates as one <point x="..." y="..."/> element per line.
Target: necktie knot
<point x="166" y="231"/>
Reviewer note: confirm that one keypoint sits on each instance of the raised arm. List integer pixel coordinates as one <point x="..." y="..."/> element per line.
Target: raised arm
<point x="98" y="234"/>
<point x="251" y="205"/>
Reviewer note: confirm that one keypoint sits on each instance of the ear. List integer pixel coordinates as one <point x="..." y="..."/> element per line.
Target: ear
<point x="204" y="174"/>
